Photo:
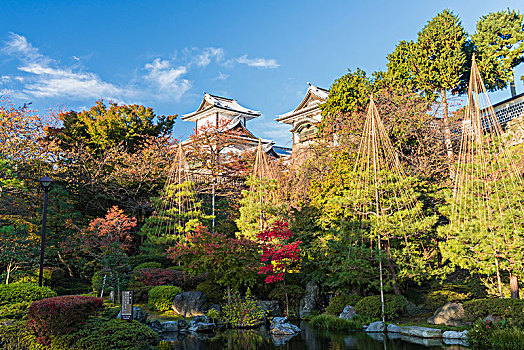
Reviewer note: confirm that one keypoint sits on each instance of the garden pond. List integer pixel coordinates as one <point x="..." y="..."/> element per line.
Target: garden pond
<point x="308" y="338"/>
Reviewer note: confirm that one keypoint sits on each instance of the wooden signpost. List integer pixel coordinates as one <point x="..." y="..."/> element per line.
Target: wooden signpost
<point x="127" y="305"/>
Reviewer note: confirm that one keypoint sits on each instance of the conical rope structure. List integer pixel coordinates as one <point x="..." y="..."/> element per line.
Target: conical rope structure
<point x="261" y="179"/>
<point x="382" y="196"/>
<point x="488" y="185"/>
<point x="178" y="204"/>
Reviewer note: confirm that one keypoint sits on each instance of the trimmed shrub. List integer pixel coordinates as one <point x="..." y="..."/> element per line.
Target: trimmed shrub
<point x="148" y="265"/>
<point x="140" y="259"/>
<point x="339" y="302"/>
<point x="23" y="292"/>
<point x="512" y="310"/>
<point x="243" y="312"/>
<point x="395" y="305"/>
<point x="438" y="298"/>
<point x="57" y="316"/>
<point x="114" y="335"/>
<point x="162" y="277"/>
<point x="214" y="292"/>
<point x="161" y="297"/>
<point x="16" y="311"/>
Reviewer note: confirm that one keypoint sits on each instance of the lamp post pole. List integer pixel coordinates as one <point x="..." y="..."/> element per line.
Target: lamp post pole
<point x="46" y="182"/>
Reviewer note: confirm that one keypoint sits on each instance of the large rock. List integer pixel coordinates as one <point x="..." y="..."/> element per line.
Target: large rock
<point x="190" y="304"/>
<point x="421" y="332"/>
<point x="376" y="327"/>
<point x="451" y="314"/>
<point x="280" y="326"/>
<point x="202" y="327"/>
<point x="348" y="313"/>
<point x="138" y="315"/>
<point x="393" y="328"/>
<point x="310" y="301"/>
<point x="271" y="307"/>
<point x="169" y="326"/>
<point x="455" y="335"/>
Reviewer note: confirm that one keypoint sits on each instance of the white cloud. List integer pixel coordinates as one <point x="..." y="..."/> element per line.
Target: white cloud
<point x="46" y="79"/>
<point x="207" y="55"/>
<point x="167" y="79"/>
<point x="258" y="62"/>
<point x="222" y="76"/>
<point x="159" y="79"/>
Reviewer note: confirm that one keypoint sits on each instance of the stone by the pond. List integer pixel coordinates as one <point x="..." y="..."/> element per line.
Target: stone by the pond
<point x="393" y="328"/>
<point x="270" y="307"/>
<point x="309" y="302"/>
<point x="455" y="335"/>
<point x="460" y="342"/>
<point x="202" y="327"/>
<point x="375" y="327"/>
<point x="348" y="313"/>
<point x="138" y="315"/>
<point x="451" y="314"/>
<point x="169" y="326"/>
<point x="421" y="332"/>
<point x="280" y="326"/>
<point x="156" y="326"/>
<point x="204" y="318"/>
<point x="190" y="304"/>
<point x="182" y="324"/>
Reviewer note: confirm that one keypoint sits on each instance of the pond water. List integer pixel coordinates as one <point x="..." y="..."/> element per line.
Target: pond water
<point x="309" y="338"/>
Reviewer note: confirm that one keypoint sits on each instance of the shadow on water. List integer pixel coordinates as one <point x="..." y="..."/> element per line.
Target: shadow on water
<point x="309" y="338"/>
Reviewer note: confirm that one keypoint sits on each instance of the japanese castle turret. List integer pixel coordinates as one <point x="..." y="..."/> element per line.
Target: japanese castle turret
<point x="229" y="115"/>
<point x="304" y="118"/>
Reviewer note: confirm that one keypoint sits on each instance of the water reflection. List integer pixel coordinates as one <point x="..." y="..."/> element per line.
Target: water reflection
<point x="309" y="338"/>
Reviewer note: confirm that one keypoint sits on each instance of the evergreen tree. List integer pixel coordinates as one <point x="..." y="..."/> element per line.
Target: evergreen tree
<point x="177" y="211"/>
<point x="499" y="45"/>
<point x="440" y="63"/>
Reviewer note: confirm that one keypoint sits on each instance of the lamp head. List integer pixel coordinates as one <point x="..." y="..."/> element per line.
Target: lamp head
<point x="46" y="182"/>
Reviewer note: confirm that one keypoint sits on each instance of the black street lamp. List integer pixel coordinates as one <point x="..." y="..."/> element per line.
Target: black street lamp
<point x="46" y="182"/>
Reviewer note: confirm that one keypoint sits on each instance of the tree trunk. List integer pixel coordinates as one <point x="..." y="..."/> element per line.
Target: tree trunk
<point x="69" y="270"/>
<point x="499" y="282"/>
<point x="512" y="85"/>
<point x="447" y="132"/>
<point x="287" y="300"/>
<point x="228" y="294"/>
<point x="514" y="285"/>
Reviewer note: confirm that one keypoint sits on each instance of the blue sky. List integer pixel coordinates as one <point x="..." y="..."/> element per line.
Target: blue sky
<point x="164" y="54"/>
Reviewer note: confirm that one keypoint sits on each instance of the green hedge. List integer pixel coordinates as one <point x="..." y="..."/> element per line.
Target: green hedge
<point x="23" y="292"/>
<point x="96" y="334"/>
<point x="214" y="292"/>
<point x="17" y="311"/>
<point x="438" y="298"/>
<point x="161" y="297"/>
<point x="395" y="305"/>
<point x="339" y="302"/>
<point x="511" y="310"/>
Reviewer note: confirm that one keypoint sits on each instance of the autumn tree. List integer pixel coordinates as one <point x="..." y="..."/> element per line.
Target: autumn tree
<point x="232" y="262"/>
<point x="103" y="127"/>
<point x="214" y="155"/>
<point x="280" y="256"/>
<point x="108" y="240"/>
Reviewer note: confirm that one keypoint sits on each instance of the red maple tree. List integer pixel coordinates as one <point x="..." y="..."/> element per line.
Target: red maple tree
<point x="279" y="255"/>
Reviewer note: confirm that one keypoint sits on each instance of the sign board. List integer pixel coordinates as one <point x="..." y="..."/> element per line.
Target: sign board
<point x="127" y="305"/>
